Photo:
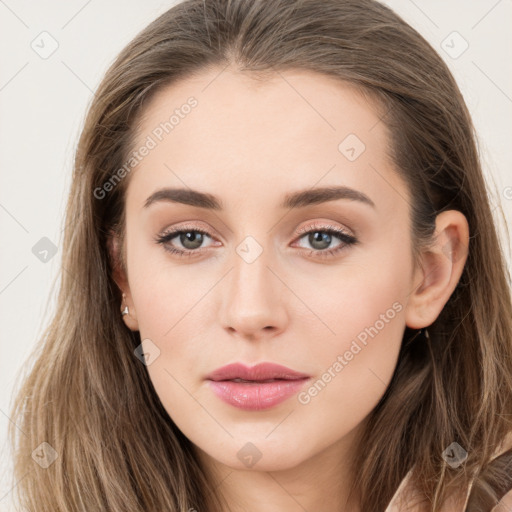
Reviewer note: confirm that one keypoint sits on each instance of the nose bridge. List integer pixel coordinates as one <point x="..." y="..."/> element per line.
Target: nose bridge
<point x="251" y="277"/>
<point x="253" y="297"/>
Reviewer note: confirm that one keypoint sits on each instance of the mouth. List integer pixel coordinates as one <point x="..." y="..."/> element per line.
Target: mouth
<point x="257" y="388"/>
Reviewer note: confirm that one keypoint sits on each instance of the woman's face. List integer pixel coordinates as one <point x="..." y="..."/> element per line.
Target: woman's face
<point x="305" y="261"/>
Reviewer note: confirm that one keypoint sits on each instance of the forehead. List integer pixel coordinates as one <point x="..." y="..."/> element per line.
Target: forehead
<point x="241" y="100"/>
<point x="223" y="129"/>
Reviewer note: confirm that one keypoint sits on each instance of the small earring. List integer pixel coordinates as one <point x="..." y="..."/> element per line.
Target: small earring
<point x="124" y="311"/>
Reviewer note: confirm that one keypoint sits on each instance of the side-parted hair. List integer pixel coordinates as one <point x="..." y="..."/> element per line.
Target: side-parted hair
<point x="90" y="398"/>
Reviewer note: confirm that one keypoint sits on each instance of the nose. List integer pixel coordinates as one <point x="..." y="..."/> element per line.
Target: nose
<point x="253" y="304"/>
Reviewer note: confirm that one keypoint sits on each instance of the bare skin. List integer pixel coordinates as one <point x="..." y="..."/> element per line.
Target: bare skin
<point x="249" y="144"/>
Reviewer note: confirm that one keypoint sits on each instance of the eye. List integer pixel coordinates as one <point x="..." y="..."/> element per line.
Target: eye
<point x="320" y="238"/>
<point x="190" y="238"/>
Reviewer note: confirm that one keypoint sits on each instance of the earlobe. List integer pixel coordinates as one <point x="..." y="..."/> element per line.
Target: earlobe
<point x="441" y="268"/>
<point x="129" y="314"/>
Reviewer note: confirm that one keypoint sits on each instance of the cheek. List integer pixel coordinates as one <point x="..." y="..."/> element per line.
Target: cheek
<point x="363" y="297"/>
<point x="359" y="336"/>
<point x="356" y="363"/>
<point x="163" y="291"/>
<point x="362" y="324"/>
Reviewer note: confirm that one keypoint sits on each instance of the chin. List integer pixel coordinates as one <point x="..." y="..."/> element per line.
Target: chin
<point x="261" y="455"/>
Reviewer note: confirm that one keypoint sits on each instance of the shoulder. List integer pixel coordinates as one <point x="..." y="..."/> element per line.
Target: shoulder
<point x="403" y="499"/>
<point x="505" y="503"/>
<point x="505" y="445"/>
<point x="402" y="502"/>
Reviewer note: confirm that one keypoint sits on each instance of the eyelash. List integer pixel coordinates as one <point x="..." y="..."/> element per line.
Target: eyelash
<point x="346" y="239"/>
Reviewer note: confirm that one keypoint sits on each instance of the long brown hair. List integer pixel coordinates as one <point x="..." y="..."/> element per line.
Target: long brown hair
<point x="91" y="400"/>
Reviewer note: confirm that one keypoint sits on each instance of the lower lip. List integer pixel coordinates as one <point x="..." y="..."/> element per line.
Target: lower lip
<point x="256" y="396"/>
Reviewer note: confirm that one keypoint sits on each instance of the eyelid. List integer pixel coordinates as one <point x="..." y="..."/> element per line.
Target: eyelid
<point x="185" y="227"/>
<point x="319" y="226"/>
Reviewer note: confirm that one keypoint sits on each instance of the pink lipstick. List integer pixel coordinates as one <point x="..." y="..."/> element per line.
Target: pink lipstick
<point x="255" y="388"/>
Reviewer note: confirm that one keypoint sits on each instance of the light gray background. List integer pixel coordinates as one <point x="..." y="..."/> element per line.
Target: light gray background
<point x="43" y="103"/>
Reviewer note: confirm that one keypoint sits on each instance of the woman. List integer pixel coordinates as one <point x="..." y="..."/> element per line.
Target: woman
<point x="282" y="286"/>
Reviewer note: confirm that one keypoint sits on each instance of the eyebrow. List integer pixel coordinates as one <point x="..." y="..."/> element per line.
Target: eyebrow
<point x="299" y="199"/>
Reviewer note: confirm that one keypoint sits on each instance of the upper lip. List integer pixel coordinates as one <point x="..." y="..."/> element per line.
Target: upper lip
<point x="261" y="371"/>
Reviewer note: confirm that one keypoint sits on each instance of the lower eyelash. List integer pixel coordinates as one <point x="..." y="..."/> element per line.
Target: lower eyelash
<point x="347" y="240"/>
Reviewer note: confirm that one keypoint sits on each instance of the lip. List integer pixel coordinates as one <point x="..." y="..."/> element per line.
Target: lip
<point x="259" y="372"/>
<point x="256" y="394"/>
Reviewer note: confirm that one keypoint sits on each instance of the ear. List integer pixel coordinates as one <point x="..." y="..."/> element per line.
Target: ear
<point x="439" y="271"/>
<point x="119" y="274"/>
